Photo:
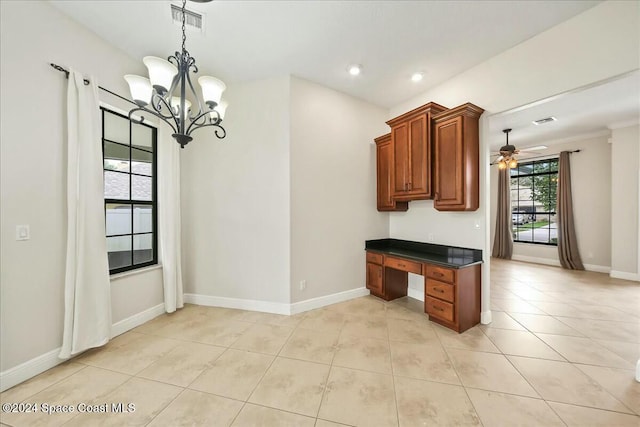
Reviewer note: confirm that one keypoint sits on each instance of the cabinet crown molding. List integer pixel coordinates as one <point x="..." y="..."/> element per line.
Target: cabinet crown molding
<point x="382" y="139"/>
<point x="468" y="109"/>
<point x="431" y="107"/>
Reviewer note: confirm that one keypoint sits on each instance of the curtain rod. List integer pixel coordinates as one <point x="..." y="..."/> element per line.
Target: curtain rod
<point x="539" y="157"/>
<point x="86" y="82"/>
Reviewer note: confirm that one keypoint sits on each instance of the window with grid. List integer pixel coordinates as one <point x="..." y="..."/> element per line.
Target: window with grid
<point x="130" y="192"/>
<point x="534" y="186"/>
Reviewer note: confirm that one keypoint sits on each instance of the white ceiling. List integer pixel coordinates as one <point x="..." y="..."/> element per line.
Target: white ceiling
<point x="582" y="111"/>
<point x="318" y="40"/>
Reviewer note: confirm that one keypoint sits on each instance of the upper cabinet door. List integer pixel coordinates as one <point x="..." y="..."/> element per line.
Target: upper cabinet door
<point x="411" y="141"/>
<point x="456" y="151"/>
<point x="400" y="144"/>
<point x="449" y="185"/>
<point x="419" y="157"/>
<point x="384" y="175"/>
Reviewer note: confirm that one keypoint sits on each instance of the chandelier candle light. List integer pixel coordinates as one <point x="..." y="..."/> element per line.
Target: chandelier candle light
<point x="155" y="94"/>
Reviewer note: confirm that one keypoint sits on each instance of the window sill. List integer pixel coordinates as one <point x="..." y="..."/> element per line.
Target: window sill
<point x="129" y="273"/>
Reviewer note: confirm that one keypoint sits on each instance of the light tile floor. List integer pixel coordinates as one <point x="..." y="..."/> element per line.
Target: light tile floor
<point x="561" y="351"/>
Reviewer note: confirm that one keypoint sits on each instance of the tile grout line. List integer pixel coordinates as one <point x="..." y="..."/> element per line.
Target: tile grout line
<point x="393" y="377"/>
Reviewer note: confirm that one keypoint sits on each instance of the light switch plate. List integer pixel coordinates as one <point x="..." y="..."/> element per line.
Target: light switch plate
<point x="22" y="232"/>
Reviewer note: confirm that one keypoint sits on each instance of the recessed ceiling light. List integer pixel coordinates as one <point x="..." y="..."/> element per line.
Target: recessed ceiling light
<point x="545" y="120"/>
<point x="416" y="77"/>
<point x="355" y="69"/>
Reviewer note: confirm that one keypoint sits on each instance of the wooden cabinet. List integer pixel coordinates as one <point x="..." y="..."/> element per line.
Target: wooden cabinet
<point x="452" y="296"/>
<point x="384" y="175"/>
<point x="374" y="279"/>
<point x="456" y="152"/>
<point x="411" y="153"/>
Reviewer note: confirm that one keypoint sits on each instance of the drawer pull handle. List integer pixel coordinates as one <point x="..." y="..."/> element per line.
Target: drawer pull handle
<point x="438" y="274"/>
<point x="439" y="309"/>
<point x="401" y="265"/>
<point x="439" y="290"/>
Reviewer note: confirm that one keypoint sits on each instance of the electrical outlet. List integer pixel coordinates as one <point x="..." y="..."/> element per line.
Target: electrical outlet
<point x="303" y="285"/>
<point x="431" y="238"/>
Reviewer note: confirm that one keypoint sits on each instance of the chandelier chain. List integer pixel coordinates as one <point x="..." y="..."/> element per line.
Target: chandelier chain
<point x="184" y="36"/>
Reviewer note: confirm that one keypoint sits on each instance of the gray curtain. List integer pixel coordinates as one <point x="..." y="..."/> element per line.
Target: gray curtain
<point x="567" y="241"/>
<point x="503" y="240"/>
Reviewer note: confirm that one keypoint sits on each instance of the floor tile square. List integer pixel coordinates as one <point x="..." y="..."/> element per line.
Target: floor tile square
<point x="193" y="408"/>
<point x="579" y="416"/>
<point x="263" y="338"/>
<point x="368" y="354"/>
<point x="499" y="409"/>
<point x="260" y="416"/>
<point x="359" y="398"/>
<point x="149" y="398"/>
<point x="521" y="343"/>
<point x="313" y="346"/>
<point x="422" y="361"/>
<point x="563" y="382"/>
<point x="293" y="386"/>
<point x="234" y="374"/>
<point x="183" y="364"/>
<point x="425" y="403"/>
<point x="489" y="371"/>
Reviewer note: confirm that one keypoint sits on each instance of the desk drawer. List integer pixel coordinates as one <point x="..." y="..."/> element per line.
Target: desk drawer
<point x="435" y="307"/>
<point x="440" y="273"/>
<point x="438" y="289"/>
<point x="374" y="258"/>
<point x="403" y="264"/>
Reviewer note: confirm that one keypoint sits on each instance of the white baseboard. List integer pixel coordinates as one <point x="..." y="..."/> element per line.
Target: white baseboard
<point x="597" y="268"/>
<point x="556" y="263"/>
<point x="485" y="317"/>
<point x="38" y="365"/>
<point x="136" y="320"/>
<point x="415" y="293"/>
<point x="239" y="303"/>
<point x="624" y="275"/>
<point x="29" y="369"/>
<point x="313" y="303"/>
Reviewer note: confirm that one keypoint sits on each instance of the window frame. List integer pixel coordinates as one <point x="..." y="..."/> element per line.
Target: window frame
<point x="131" y="201"/>
<point x="532" y="175"/>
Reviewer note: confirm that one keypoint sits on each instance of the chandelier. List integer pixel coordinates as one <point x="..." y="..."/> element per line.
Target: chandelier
<point x="155" y="95"/>
<point x="507" y="154"/>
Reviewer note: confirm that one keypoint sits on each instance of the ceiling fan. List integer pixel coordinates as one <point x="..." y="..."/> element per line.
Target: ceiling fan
<point x="508" y="151"/>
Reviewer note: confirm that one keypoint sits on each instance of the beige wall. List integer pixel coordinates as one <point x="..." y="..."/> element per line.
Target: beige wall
<point x="624" y="202"/>
<point x="591" y="191"/>
<point x="333" y="190"/>
<point x="235" y="199"/>
<point x="32" y="174"/>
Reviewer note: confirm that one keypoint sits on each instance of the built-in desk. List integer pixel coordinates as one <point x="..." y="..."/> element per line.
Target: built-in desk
<point x="452" y="278"/>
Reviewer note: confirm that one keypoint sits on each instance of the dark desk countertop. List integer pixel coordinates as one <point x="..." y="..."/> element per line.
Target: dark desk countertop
<point x="447" y="256"/>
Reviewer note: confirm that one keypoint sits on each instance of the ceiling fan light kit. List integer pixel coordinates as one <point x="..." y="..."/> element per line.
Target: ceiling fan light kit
<point x="155" y="94"/>
<point x="507" y="154"/>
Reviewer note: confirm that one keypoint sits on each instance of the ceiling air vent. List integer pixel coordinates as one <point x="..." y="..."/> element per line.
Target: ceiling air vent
<point x="192" y="20"/>
<point x="543" y="121"/>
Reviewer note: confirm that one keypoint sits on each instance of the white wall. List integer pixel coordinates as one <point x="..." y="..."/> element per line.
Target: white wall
<point x="33" y="173"/>
<point x="599" y="43"/>
<point x="591" y="191"/>
<point x="333" y="190"/>
<point x="235" y="198"/>
<point x="624" y="202"/>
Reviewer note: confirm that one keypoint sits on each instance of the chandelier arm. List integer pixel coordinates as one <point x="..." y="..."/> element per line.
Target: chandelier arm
<point x="162" y="116"/>
<point x="195" y="95"/>
<point x="216" y="125"/>
<point x="195" y="124"/>
<point x="146" y="110"/>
